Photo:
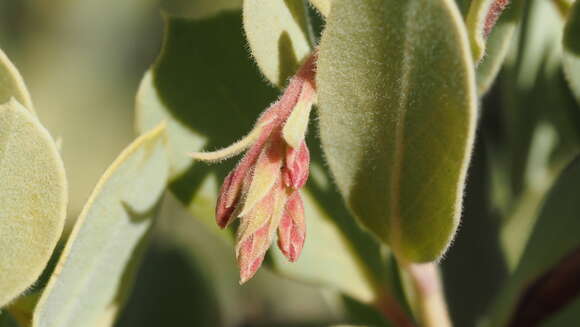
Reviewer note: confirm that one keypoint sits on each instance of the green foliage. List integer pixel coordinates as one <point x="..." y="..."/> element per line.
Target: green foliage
<point x="554" y="237"/>
<point x="279" y="36"/>
<point x="96" y="268"/>
<point x="33" y="199"/>
<point x="399" y="90"/>
<point x="475" y="21"/>
<point x="572" y="49"/>
<point x="398" y="131"/>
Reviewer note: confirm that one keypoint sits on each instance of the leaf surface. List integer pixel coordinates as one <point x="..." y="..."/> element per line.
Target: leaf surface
<point x="397" y="117"/>
<point x="33" y="199"/>
<point x="279" y="35"/>
<point x="96" y="268"/>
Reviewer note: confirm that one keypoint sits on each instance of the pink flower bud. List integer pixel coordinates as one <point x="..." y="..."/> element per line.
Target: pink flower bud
<point x="292" y="228"/>
<point x="297" y="166"/>
<point x="263" y="189"/>
<point x="252" y="251"/>
<point x="495" y="10"/>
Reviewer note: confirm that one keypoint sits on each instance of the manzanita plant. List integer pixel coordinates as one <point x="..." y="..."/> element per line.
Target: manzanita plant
<point x="377" y="132"/>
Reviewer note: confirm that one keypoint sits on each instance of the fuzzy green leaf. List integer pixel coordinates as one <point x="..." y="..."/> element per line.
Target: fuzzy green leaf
<point x="572" y="50"/>
<point x="475" y="22"/>
<point x="210" y="95"/>
<point x="95" y="270"/>
<point x="6" y="320"/>
<point x="11" y="84"/>
<point x="279" y="34"/>
<point x="397" y="117"/>
<point x="33" y="199"/>
<point x="554" y="237"/>
<point x="480" y="21"/>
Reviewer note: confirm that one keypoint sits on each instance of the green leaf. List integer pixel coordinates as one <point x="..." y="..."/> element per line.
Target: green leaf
<point x="463" y="6"/>
<point x="6" y="320"/>
<point x="210" y="95"/>
<point x="279" y="35"/>
<point x="572" y="50"/>
<point x="323" y="6"/>
<point x="554" y="237"/>
<point x="95" y="271"/>
<point x="535" y="143"/>
<point x="397" y="117"/>
<point x="12" y="85"/>
<point x="33" y="199"/>
<point x="480" y="21"/>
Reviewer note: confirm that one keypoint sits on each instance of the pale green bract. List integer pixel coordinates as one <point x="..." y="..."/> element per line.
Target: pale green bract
<point x="33" y="199"/>
<point x="11" y="84"/>
<point x="475" y="22"/>
<point x="279" y="36"/>
<point x="95" y="270"/>
<point x="571" y="60"/>
<point x="397" y="108"/>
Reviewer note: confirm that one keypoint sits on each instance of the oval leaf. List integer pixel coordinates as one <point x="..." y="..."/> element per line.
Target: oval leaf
<point x="572" y="50"/>
<point x="279" y="34"/>
<point x="95" y="270"/>
<point x="397" y="117"/>
<point x="33" y="199"/>
<point x="554" y="239"/>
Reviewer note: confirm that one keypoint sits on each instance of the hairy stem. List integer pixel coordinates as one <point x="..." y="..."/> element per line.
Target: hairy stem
<point x="427" y="298"/>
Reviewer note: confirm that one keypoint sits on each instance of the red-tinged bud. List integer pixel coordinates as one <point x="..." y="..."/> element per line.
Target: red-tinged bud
<point x="245" y="166"/>
<point x="223" y="213"/>
<point x="297" y="166"/>
<point x="292" y="228"/>
<point x="495" y="10"/>
<point x="255" y="235"/>
<point x="263" y="190"/>
<point x="252" y="252"/>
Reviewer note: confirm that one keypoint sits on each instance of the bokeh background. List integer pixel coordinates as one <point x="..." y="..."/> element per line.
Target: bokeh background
<point x="83" y="60"/>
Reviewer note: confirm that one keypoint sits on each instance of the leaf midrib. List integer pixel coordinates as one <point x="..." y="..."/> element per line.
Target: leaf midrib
<point x="395" y="186"/>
